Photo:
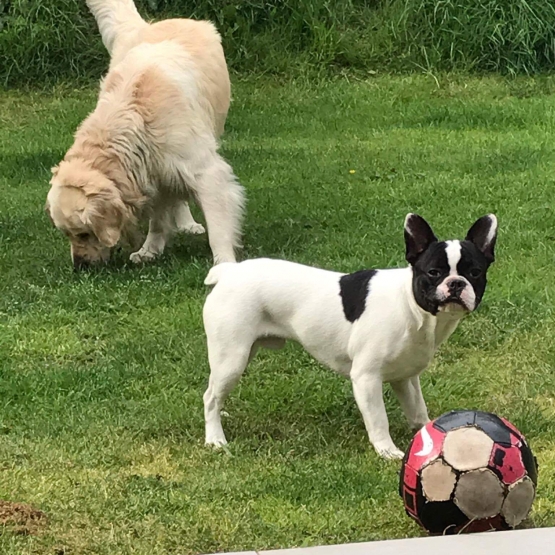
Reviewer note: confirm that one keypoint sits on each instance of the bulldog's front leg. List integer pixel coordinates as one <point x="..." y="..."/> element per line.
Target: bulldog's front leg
<point x="368" y="390"/>
<point x="409" y="393"/>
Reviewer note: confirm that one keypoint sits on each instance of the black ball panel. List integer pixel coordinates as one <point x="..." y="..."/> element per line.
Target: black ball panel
<point x="494" y="427"/>
<point x="489" y="423"/>
<point x="442" y="517"/>
<point x="438" y="517"/>
<point x="410" y="501"/>
<point x="530" y="462"/>
<point x="454" y="419"/>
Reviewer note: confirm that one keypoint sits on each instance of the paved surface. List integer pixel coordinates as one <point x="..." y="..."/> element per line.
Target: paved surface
<point x="539" y="541"/>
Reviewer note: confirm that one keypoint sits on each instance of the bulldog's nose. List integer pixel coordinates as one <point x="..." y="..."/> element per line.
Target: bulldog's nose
<point x="80" y="263"/>
<point x="456" y="286"/>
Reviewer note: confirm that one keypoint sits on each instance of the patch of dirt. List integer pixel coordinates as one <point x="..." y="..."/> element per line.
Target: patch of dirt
<point x="20" y="518"/>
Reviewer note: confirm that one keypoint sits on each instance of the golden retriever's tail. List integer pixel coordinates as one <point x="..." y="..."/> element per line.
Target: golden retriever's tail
<point x="115" y="18"/>
<point x="215" y="273"/>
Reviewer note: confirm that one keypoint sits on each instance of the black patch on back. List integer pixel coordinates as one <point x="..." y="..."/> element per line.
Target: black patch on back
<point x="354" y="289"/>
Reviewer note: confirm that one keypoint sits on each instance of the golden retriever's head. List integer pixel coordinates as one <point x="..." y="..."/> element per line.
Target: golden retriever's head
<point x="87" y="207"/>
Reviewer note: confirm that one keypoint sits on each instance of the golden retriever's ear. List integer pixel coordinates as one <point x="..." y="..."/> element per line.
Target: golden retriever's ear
<point x="47" y="210"/>
<point x="108" y="236"/>
<point x="106" y="214"/>
<point x="54" y="171"/>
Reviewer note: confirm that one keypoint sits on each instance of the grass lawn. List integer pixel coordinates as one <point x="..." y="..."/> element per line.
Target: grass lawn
<point x="102" y="374"/>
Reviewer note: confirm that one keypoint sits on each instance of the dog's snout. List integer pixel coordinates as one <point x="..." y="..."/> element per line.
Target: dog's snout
<point x="80" y="263"/>
<point x="456" y="286"/>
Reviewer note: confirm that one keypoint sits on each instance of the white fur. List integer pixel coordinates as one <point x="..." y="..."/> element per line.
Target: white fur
<point x="263" y="302"/>
<point x="492" y="233"/>
<point x="468" y="296"/>
<point x="117" y="20"/>
<point x="453" y="252"/>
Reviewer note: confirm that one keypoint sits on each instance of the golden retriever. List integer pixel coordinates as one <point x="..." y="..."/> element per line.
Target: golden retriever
<point x="151" y="144"/>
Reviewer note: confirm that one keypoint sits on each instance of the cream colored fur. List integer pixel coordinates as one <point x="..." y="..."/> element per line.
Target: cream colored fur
<point x="151" y="144"/>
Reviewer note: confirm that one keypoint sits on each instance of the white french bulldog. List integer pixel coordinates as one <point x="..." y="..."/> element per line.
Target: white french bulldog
<point x="372" y="326"/>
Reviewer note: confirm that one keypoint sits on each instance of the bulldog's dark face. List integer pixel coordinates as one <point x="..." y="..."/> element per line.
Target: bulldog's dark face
<point x="449" y="276"/>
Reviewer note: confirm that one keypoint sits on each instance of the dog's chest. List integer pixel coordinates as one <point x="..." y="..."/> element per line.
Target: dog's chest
<point x="410" y="354"/>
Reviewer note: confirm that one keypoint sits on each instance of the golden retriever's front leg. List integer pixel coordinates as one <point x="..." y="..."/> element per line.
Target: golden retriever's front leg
<point x="159" y="230"/>
<point x="184" y="220"/>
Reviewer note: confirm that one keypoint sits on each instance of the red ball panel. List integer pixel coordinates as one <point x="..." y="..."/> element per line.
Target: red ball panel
<point x="426" y="447"/>
<point x="528" y="459"/>
<point x="512" y="427"/>
<point x="410" y="477"/>
<point x="507" y="462"/>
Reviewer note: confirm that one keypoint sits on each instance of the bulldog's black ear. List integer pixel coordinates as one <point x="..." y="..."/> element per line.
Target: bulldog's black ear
<point x="484" y="235"/>
<point x="418" y="237"/>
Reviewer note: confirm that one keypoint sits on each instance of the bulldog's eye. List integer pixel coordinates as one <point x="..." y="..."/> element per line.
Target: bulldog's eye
<point x="434" y="273"/>
<point x="83" y="236"/>
<point x="475" y="272"/>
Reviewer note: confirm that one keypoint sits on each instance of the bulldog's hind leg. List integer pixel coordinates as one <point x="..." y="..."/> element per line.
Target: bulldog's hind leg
<point x="227" y="364"/>
<point x="231" y="345"/>
<point x="228" y="360"/>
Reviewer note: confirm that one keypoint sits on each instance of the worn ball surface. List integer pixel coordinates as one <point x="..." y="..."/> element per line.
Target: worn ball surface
<point x="468" y="471"/>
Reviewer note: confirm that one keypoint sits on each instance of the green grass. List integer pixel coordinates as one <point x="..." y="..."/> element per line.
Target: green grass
<point x="511" y="36"/>
<point x="102" y="374"/>
<point x="42" y="42"/>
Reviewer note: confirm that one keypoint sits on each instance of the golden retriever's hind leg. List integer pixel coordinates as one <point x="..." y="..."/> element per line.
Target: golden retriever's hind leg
<point x="221" y="199"/>
<point x="184" y="221"/>
<point x="159" y="230"/>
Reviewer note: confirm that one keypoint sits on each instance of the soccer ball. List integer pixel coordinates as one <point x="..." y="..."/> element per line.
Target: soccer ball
<point x="468" y="471"/>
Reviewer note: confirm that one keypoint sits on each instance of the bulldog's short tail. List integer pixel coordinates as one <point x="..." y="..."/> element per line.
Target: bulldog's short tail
<point x="115" y="18"/>
<point x="216" y="273"/>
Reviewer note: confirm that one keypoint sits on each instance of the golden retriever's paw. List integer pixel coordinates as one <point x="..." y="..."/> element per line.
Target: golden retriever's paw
<point x="142" y="256"/>
<point x="193" y="229"/>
